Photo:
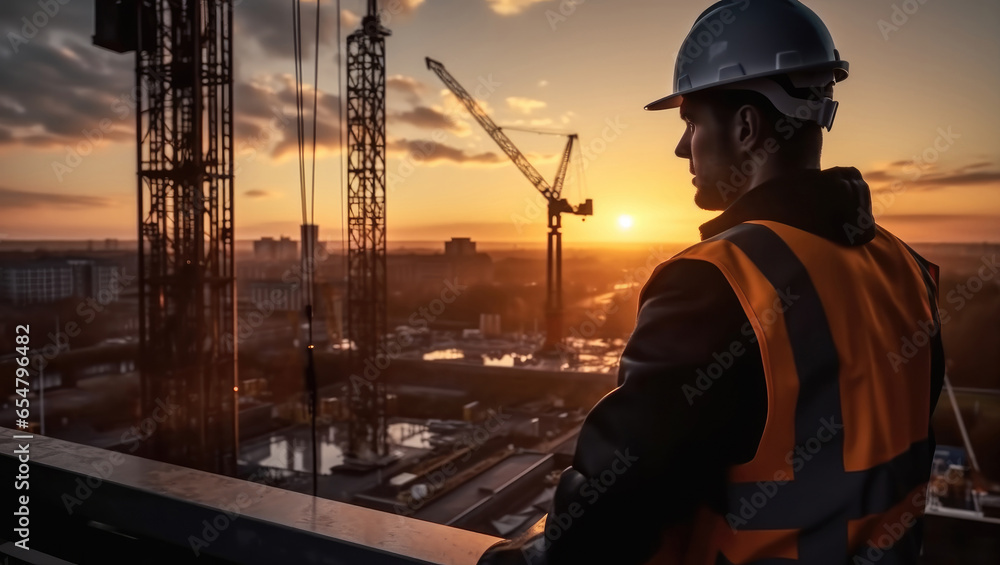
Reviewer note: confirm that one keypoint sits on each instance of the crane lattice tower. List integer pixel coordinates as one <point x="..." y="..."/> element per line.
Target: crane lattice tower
<point x="366" y="249"/>
<point x="184" y="135"/>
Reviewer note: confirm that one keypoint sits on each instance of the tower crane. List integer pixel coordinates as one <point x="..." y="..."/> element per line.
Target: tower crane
<point x="557" y="205"/>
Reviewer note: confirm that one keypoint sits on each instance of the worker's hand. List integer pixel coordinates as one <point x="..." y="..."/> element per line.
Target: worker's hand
<point x="525" y="549"/>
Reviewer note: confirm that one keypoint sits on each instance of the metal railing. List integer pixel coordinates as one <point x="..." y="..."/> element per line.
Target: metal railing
<point x="90" y="505"/>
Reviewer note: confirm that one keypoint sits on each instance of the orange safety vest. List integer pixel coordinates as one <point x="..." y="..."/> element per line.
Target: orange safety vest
<point x="841" y="470"/>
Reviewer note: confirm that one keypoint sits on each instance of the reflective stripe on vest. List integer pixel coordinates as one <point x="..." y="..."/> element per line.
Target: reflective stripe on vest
<point x="841" y="469"/>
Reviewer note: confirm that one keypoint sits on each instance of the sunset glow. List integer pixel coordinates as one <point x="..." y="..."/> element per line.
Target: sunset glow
<point x="67" y="143"/>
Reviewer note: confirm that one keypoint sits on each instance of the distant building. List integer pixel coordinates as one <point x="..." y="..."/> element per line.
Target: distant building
<point x="45" y="280"/>
<point x="277" y="276"/>
<point x="270" y="249"/>
<point x="281" y="296"/>
<point x="310" y="233"/>
<point x="414" y="272"/>
<point x="460" y="247"/>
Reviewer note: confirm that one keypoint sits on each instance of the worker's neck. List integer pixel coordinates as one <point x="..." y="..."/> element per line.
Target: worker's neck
<point x="774" y="169"/>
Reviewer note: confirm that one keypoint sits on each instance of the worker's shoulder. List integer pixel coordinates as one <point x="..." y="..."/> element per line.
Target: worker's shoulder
<point x="698" y="259"/>
<point x="699" y="269"/>
<point x="684" y="275"/>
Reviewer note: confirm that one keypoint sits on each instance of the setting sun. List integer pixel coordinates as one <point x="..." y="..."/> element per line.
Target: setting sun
<point x="625" y="222"/>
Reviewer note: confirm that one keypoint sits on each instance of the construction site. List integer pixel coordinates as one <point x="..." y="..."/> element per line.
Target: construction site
<point x="374" y="423"/>
<point x="324" y="368"/>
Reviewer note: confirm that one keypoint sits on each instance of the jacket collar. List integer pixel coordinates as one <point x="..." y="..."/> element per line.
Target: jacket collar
<point x="834" y="204"/>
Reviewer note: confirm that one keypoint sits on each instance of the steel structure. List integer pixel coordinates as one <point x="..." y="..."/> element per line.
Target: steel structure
<point x="184" y="135"/>
<point x="557" y="206"/>
<point x="366" y="246"/>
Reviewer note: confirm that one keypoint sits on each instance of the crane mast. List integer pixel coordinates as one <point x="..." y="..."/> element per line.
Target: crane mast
<point x="557" y="205"/>
<point x="366" y="215"/>
<point x="185" y="218"/>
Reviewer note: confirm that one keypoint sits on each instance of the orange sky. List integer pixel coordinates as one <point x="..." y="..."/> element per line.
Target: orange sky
<point x="580" y="70"/>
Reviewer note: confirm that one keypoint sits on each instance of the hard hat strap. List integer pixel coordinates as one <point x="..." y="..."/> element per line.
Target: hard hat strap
<point x="822" y="111"/>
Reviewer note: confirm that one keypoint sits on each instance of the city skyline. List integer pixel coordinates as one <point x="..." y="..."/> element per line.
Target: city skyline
<point x="911" y="119"/>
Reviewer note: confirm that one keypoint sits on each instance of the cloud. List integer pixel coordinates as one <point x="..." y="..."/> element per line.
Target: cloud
<point x="268" y="24"/>
<point x="427" y="151"/>
<point x="349" y="19"/>
<point x="260" y="193"/>
<point x="975" y="166"/>
<point x="941" y="227"/>
<point x="410" y="87"/>
<point x="57" y="89"/>
<point x="10" y="199"/>
<point x="524" y="105"/>
<point x="387" y="12"/>
<point x="427" y="118"/>
<point x="265" y="120"/>
<point x="55" y="85"/>
<point x="530" y="124"/>
<point x="397" y="8"/>
<point x="453" y="106"/>
<point x="512" y="7"/>
<point x="959" y="179"/>
<point x="912" y="177"/>
<point x="878" y="176"/>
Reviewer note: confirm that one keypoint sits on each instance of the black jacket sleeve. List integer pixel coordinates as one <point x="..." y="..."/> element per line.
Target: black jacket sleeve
<point x="691" y="402"/>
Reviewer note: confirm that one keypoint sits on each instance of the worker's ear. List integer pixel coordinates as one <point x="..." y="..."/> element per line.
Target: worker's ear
<point x="747" y="127"/>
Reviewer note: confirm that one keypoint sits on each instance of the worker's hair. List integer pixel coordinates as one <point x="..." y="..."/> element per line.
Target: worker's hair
<point x="799" y="140"/>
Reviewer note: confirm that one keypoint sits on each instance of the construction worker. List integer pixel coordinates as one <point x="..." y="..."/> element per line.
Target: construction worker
<point x="774" y="399"/>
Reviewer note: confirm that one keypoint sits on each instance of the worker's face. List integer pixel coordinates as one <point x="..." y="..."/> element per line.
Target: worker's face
<point x="709" y="147"/>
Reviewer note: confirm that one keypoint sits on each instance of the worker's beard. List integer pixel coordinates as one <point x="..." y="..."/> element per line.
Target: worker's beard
<point x="709" y="197"/>
<point x="713" y="183"/>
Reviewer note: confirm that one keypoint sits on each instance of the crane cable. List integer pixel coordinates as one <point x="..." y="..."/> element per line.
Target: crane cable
<point x="343" y="155"/>
<point x="308" y="219"/>
<point x="581" y="180"/>
<point x="299" y="124"/>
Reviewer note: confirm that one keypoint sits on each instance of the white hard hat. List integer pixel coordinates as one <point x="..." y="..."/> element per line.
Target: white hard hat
<point x="738" y="44"/>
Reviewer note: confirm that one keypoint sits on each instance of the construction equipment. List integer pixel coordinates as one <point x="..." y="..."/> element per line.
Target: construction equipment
<point x="366" y="245"/>
<point x="187" y="307"/>
<point x="557" y="205"/>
